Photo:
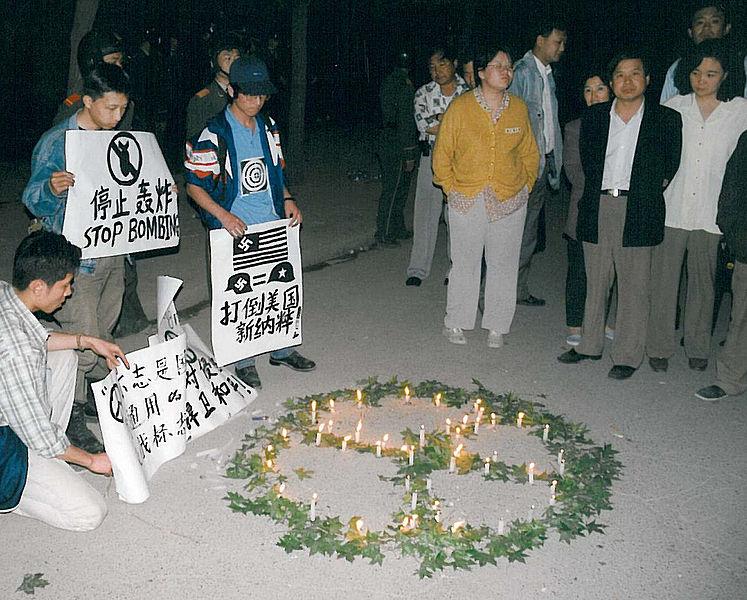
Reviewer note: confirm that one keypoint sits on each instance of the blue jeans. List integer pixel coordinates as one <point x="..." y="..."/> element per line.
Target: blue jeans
<point x="249" y="362"/>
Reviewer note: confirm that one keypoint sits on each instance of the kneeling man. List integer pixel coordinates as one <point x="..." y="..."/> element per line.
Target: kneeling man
<point x="37" y="382"/>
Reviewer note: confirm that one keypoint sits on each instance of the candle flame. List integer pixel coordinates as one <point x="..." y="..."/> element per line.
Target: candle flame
<point x="321" y="427"/>
<point x="457" y="526"/>
<point x="407" y="391"/>
<point x="359" y="395"/>
<point x="386" y="438"/>
<point x="314" y="496"/>
<point x="347" y="438"/>
<point x="405" y="448"/>
<point x="465" y="418"/>
<point x="284" y="432"/>
<point x="531" y="467"/>
<point x="458" y="450"/>
<point x="313" y="405"/>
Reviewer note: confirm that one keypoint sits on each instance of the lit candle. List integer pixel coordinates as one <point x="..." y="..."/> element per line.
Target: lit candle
<point x="411" y="457"/>
<point x="477" y="405"/>
<point x="407" y="483"/>
<point x="553" y="485"/>
<point x="358" y="428"/>
<point x="359" y="527"/>
<point x="530" y="472"/>
<point x="448" y="426"/>
<point x="359" y="397"/>
<point x="384" y="440"/>
<point x="281" y="489"/>
<point x="546" y="433"/>
<point x="313" y="411"/>
<point x="493" y="420"/>
<point x="437" y="400"/>
<point x="457" y="432"/>
<point x="452" y="464"/>
<point x="269" y="464"/>
<point x="312" y="512"/>
<point x="457" y="526"/>
<point x="561" y="467"/>
<point x="332" y="405"/>
<point x="552" y="499"/>
<point x="486" y="468"/>
<point x="530" y="513"/>
<point x="345" y="441"/>
<point x="414" y="501"/>
<point x="495" y="456"/>
<point x="269" y="449"/>
<point x="560" y="455"/>
<point x="501" y="526"/>
<point x="465" y="420"/>
<point x="407" y="395"/>
<point x="477" y="423"/>
<point x="378" y="448"/>
<point x="319" y="435"/>
<point x="284" y="433"/>
<point x="330" y="423"/>
<point x="519" y="419"/>
<point x="422" y="436"/>
<point x="428" y="484"/>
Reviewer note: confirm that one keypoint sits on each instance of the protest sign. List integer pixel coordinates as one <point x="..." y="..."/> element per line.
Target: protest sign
<point x="122" y="200"/>
<point x="173" y="392"/>
<point x="257" y="290"/>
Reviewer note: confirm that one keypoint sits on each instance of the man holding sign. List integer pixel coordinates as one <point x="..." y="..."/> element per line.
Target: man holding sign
<point x="37" y="377"/>
<point x="235" y="176"/>
<point x="99" y="284"/>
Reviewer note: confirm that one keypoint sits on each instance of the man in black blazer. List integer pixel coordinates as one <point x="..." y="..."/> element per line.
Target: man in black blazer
<point x="630" y="150"/>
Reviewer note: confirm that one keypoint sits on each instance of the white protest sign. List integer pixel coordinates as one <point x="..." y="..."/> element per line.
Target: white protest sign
<point x="173" y="392"/>
<point x="122" y="200"/>
<point x="257" y="290"/>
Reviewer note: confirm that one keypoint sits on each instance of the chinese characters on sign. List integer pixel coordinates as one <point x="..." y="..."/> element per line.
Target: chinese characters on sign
<point x="173" y="392"/>
<point x="123" y="199"/>
<point x="257" y="290"/>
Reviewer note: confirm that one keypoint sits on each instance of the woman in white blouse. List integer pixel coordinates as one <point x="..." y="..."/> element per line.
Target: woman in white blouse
<point x="712" y="121"/>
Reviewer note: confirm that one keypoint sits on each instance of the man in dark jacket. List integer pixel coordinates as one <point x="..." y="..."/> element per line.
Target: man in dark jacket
<point x="397" y="149"/>
<point x="731" y="365"/>
<point x="630" y="150"/>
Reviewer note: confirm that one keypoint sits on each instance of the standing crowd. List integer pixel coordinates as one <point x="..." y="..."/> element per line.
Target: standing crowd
<point x="656" y="192"/>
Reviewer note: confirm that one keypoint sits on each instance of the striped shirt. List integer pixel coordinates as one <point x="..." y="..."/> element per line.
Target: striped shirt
<point x="24" y="402"/>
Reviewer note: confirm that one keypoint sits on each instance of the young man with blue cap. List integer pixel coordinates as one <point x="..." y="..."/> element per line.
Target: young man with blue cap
<point x="242" y="141"/>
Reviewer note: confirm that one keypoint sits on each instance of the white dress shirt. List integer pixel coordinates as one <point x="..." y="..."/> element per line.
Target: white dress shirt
<point x="692" y="197"/>
<point x="621" y="143"/>
<point x="545" y="70"/>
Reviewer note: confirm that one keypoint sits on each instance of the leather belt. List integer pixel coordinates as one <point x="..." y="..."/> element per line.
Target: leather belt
<point x="615" y="192"/>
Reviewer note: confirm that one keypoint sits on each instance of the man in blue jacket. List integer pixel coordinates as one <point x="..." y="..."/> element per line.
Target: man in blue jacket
<point x="534" y="83"/>
<point x="238" y="138"/>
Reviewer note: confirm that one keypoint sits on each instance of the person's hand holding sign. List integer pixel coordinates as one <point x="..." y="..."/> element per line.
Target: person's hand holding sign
<point x="292" y="212"/>
<point x="60" y="181"/>
<point x="232" y="224"/>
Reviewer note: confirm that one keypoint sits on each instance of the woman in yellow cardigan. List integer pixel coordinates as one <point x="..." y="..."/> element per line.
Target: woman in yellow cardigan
<point x="486" y="162"/>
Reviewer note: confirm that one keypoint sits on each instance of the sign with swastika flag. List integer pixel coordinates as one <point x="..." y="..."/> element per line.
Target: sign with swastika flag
<point x="257" y="294"/>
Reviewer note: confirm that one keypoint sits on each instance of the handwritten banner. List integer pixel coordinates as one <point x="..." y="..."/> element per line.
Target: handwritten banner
<point x="257" y="290"/>
<point x="173" y="393"/>
<point x="122" y="200"/>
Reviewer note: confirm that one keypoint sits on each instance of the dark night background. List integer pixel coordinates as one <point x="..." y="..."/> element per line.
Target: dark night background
<point x="350" y="45"/>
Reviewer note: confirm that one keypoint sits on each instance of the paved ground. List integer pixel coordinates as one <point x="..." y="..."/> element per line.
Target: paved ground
<point x="678" y="527"/>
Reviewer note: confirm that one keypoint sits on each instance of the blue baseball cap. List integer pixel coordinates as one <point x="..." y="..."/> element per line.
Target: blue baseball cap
<point x="251" y="77"/>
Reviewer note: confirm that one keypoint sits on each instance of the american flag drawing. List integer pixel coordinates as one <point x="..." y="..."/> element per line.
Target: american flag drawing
<point x="261" y="248"/>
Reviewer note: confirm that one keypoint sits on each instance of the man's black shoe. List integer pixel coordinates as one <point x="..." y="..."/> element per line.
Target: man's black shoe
<point x="295" y="361"/>
<point x="660" y="365"/>
<point x="698" y="364"/>
<point x="531" y="301"/>
<point x="416" y="281"/>
<point x="620" y="372"/>
<point x="711" y="393"/>
<point x="79" y="435"/>
<point x="249" y="376"/>
<point x="572" y="357"/>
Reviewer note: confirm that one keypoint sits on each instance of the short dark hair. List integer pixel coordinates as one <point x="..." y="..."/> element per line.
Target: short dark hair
<point x="718" y="50"/>
<point x="627" y="54"/>
<point x="594" y="71"/>
<point x="483" y="57"/>
<point x="444" y="52"/>
<point x="545" y="27"/>
<point x="44" y="255"/>
<point x="106" y="78"/>
<point x="699" y="5"/>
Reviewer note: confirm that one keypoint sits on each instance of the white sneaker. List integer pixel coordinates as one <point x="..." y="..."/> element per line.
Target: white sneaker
<point x="495" y="339"/>
<point x="455" y="335"/>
